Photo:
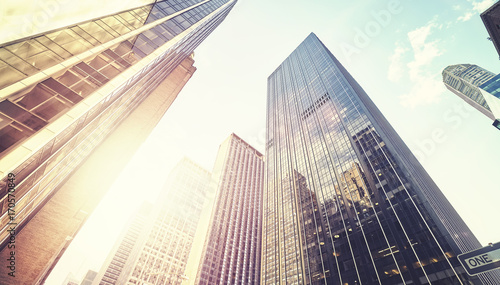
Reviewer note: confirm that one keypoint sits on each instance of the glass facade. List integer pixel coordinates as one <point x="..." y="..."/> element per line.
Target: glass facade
<point x="491" y="92"/>
<point x="63" y="92"/>
<point x="345" y="201"/>
<point x="32" y="108"/>
<point x="22" y="59"/>
<point x="492" y="86"/>
<point x="231" y="253"/>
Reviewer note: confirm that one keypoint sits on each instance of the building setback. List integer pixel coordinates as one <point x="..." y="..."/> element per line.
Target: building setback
<point x="345" y="201"/>
<point x="156" y="245"/>
<point x="231" y="253"/>
<point x="64" y="92"/>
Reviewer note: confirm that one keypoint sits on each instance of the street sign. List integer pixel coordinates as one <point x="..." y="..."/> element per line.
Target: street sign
<point x="481" y="260"/>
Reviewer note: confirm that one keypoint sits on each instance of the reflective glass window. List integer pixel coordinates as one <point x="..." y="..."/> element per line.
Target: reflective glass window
<point x="21" y="115"/>
<point x="51" y="108"/>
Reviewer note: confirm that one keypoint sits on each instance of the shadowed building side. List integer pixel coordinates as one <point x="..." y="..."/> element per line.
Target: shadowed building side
<point x="491" y="20"/>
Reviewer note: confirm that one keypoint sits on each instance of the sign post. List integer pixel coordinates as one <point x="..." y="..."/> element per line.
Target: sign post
<point x="481" y="260"/>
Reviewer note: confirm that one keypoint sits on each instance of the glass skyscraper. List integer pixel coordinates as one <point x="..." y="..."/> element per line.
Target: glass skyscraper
<point x="345" y="201"/>
<point x="64" y="92"/>
<point x="232" y="250"/>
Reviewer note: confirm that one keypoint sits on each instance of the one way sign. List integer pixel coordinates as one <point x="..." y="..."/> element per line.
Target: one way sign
<point x="481" y="260"/>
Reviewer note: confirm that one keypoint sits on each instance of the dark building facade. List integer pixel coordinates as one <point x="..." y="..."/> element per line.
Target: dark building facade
<point x="231" y="254"/>
<point x="491" y="20"/>
<point x="65" y="92"/>
<point x="345" y="201"/>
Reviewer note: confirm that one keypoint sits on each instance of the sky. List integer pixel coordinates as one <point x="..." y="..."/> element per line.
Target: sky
<point x="395" y="49"/>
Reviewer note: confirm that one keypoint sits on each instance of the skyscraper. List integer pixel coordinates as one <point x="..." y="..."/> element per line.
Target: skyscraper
<point x="125" y="250"/>
<point x="476" y="86"/>
<point x="464" y="81"/>
<point x="231" y="254"/>
<point x="491" y="20"/>
<point x="345" y="201"/>
<point x="155" y="248"/>
<point x="79" y="196"/>
<point x="64" y="91"/>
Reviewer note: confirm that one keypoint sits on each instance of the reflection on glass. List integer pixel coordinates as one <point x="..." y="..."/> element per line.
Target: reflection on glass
<point x="346" y="201"/>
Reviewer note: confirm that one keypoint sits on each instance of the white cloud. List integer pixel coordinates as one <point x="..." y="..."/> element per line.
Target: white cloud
<point x="466" y="17"/>
<point x="483" y="5"/>
<point x="396" y="67"/>
<point x="427" y="88"/>
<point x="423" y="50"/>
<point x="477" y="8"/>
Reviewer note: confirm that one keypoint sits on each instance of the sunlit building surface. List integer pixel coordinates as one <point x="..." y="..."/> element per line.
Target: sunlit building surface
<point x="464" y="81"/>
<point x="231" y="254"/>
<point x="155" y="247"/>
<point x="476" y="86"/>
<point x="64" y="91"/>
<point x="345" y="201"/>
